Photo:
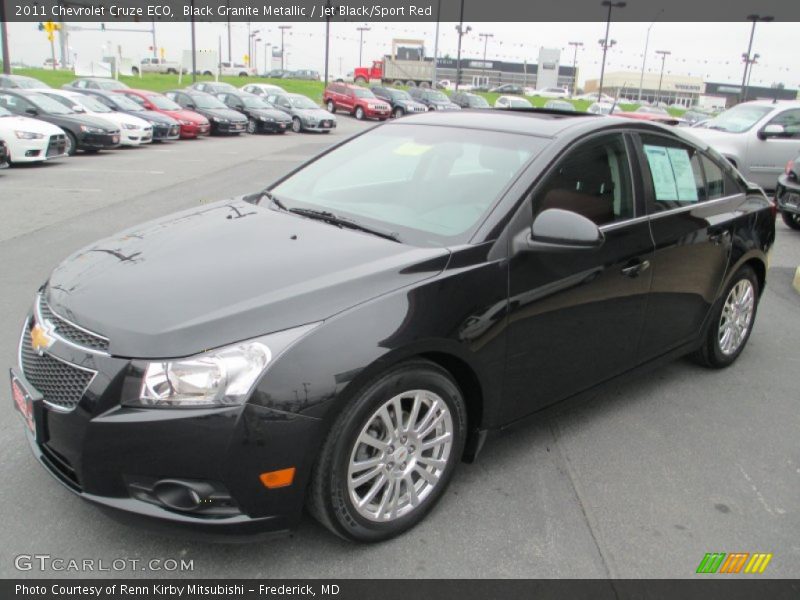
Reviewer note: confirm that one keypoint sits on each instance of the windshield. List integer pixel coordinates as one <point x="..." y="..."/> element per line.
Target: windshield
<point x="255" y="102"/>
<point x="91" y="104"/>
<point x="29" y="83"/>
<point x="738" y="119"/>
<point x="48" y="105"/>
<point x="431" y="185"/>
<point x="110" y="84"/>
<point x="125" y="103"/>
<point x="202" y="101"/>
<point x="435" y="96"/>
<point x="519" y="103"/>
<point x="398" y="94"/>
<point x="362" y="93"/>
<point x="302" y="102"/>
<point x="163" y="102"/>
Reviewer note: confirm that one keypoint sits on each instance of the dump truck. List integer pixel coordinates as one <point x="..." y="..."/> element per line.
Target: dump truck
<point x="406" y="65"/>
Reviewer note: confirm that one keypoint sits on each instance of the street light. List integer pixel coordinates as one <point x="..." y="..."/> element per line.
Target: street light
<point x="644" y="56"/>
<point x="747" y="60"/>
<point x="664" y="54"/>
<point x="753" y="61"/>
<point x="251" y="49"/>
<point x="461" y="33"/>
<point x="575" y="66"/>
<point x="605" y="42"/>
<point x="485" y="37"/>
<point x="361" y="31"/>
<point x="283" y="29"/>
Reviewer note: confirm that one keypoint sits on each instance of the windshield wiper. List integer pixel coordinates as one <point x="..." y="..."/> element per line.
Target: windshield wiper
<point x="329" y="217"/>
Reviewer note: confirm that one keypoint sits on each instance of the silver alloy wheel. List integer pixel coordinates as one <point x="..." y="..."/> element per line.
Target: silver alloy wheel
<point x="359" y="113"/>
<point x="251" y="126"/>
<point x="69" y="149"/>
<point x="736" y="317"/>
<point x="398" y="112"/>
<point x="331" y="107"/>
<point x="297" y="126"/>
<point x="400" y="455"/>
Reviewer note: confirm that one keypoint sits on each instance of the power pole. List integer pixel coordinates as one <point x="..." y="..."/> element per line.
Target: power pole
<point x="575" y="45"/>
<point x="605" y="43"/>
<point x="361" y="31"/>
<point x="436" y="43"/>
<point x="461" y="32"/>
<point x="664" y="54"/>
<point x="327" y="40"/>
<point x="283" y="29"/>
<point x="4" y="32"/>
<point x="746" y="57"/>
<point x="155" y="45"/>
<point x="485" y="37"/>
<point x="194" y="47"/>
<point x="644" y="56"/>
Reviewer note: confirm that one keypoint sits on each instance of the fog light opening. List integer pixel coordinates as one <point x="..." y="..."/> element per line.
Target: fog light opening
<point x="181" y="495"/>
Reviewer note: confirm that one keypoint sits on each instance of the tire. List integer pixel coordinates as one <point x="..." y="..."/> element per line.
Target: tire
<point x="360" y="81"/>
<point x="72" y="143"/>
<point x="398" y="83"/>
<point x="792" y="220"/>
<point x="172" y="72"/>
<point x="242" y="74"/>
<point x="411" y="83"/>
<point x="715" y="353"/>
<point x="297" y="125"/>
<point x="332" y="493"/>
<point x="208" y="73"/>
<point x="359" y="113"/>
<point x="398" y="112"/>
<point x="425" y="85"/>
<point x="135" y="71"/>
<point x="252" y="126"/>
<point x="331" y="107"/>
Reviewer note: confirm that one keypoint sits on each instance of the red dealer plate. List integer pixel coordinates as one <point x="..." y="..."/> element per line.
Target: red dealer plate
<point x="23" y="402"/>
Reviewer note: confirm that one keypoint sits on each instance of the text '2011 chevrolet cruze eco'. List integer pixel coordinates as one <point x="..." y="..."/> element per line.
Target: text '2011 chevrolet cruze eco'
<point x="343" y="339"/>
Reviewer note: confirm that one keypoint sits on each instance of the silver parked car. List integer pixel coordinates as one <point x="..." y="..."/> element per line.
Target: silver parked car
<point x="757" y="137"/>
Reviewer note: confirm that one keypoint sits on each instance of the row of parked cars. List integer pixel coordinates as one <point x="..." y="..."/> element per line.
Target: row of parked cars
<point x="38" y="122"/>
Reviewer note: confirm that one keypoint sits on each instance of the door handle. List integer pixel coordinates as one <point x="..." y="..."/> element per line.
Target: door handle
<point x="635" y="267"/>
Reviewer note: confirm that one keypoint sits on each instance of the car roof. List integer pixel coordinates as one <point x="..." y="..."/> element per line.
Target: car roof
<point x="773" y="104"/>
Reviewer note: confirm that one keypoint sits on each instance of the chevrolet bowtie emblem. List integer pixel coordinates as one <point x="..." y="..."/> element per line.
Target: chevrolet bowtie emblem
<point x="41" y="339"/>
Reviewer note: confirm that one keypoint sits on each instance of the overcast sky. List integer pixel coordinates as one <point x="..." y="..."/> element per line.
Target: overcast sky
<point x="711" y="51"/>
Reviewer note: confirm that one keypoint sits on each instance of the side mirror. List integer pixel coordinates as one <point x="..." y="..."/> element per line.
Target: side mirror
<point x="32" y="111"/>
<point x="770" y="131"/>
<point x="190" y="106"/>
<point x="557" y="230"/>
<point x="79" y="109"/>
<point x="240" y="107"/>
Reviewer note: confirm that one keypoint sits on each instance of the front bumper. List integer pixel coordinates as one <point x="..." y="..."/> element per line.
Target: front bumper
<point x="114" y="455"/>
<point x="47" y="148"/>
<point x="230" y="127"/>
<point x="321" y="125"/>
<point x="166" y="132"/>
<point x="194" y="130"/>
<point x="787" y="195"/>
<point x="371" y="113"/>
<point x="274" y="126"/>
<point x="136" y="137"/>
<point x="99" y="141"/>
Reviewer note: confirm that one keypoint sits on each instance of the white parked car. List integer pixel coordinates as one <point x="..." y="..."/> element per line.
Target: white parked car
<point x="133" y="130"/>
<point x="552" y="92"/>
<point x="235" y="70"/>
<point x="31" y="140"/>
<point x="263" y="89"/>
<point x="604" y="108"/>
<point x="512" y="102"/>
<point x="593" y="97"/>
<point x="758" y="137"/>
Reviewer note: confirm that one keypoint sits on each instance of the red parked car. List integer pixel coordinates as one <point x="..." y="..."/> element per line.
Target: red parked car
<point x="652" y="113"/>
<point x="355" y="100"/>
<point x="192" y="123"/>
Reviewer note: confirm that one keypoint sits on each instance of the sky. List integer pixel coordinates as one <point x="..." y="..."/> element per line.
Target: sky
<point x="711" y="51"/>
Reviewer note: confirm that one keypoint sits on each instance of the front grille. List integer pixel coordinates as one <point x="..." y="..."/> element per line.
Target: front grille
<point x="72" y="333"/>
<point x="61" y="384"/>
<point x="57" y="145"/>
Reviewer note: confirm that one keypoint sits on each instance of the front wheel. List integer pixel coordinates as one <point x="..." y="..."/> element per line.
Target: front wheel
<point x="72" y="144"/>
<point x="331" y="107"/>
<point x="731" y="322"/>
<point x="398" y="112"/>
<point x="791" y="219"/>
<point x="389" y="456"/>
<point x="359" y="113"/>
<point x="252" y="126"/>
<point x="297" y="126"/>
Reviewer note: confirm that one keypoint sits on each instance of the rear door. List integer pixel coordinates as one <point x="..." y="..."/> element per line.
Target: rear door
<point x="575" y="317"/>
<point x="692" y="200"/>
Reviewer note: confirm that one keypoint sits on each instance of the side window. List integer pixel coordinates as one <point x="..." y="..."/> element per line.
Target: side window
<point x="14" y="103"/>
<point x="719" y="182"/>
<point x="81" y="84"/>
<point x="594" y="180"/>
<point x="136" y="99"/>
<point x="105" y="101"/>
<point x="675" y="173"/>
<point x="790" y="120"/>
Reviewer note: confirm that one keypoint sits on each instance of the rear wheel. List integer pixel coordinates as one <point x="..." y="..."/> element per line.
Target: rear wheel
<point x="171" y="71"/>
<point x="390" y="454"/>
<point x="359" y="113"/>
<point x="410" y="83"/>
<point x="732" y="321"/>
<point x="397" y="83"/>
<point x="791" y="219"/>
<point x="361" y="80"/>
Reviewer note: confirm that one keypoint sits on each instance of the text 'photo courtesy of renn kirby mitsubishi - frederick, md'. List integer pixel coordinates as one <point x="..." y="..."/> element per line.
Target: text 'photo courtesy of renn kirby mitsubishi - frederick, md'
<point x="438" y="298"/>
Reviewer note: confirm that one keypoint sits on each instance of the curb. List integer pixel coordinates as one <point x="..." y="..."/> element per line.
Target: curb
<point x="796" y="281"/>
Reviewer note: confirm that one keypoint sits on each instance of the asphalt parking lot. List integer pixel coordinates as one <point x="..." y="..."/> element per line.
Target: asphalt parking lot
<point x="640" y="481"/>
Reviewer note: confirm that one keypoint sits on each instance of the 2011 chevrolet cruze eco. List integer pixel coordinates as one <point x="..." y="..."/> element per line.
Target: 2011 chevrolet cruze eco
<point x="344" y="338"/>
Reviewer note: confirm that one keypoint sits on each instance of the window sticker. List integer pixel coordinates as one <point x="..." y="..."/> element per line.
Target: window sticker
<point x="411" y="149"/>
<point x="673" y="177"/>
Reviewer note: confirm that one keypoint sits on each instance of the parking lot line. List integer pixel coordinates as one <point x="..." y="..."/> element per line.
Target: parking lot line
<point x="104" y="170"/>
<point x="28" y="188"/>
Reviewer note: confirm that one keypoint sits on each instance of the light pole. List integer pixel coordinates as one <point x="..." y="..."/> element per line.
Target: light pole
<point x="283" y="29"/>
<point x="664" y="54"/>
<point x="361" y="31"/>
<point x="227" y="3"/>
<point x="644" y="56"/>
<point x="461" y="32"/>
<point x="605" y="43"/>
<point x="752" y="61"/>
<point x="251" y="50"/>
<point x="576" y="45"/>
<point x="755" y="19"/>
<point x="194" y="48"/>
<point x="267" y="66"/>
<point x="435" y="44"/>
<point x="327" y="38"/>
<point x="485" y="37"/>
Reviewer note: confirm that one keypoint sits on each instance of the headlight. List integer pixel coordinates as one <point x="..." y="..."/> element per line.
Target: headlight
<point x="129" y="126"/>
<point x="219" y="120"/>
<point x="222" y="377"/>
<point x="268" y="119"/>
<point x="185" y="122"/>
<point x="88" y="129"/>
<point x="28" y="135"/>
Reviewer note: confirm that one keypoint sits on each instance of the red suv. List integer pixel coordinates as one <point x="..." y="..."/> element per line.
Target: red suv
<point x="192" y="124"/>
<point x="355" y="100"/>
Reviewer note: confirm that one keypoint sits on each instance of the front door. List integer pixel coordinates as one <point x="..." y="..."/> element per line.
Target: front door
<point x="575" y="317"/>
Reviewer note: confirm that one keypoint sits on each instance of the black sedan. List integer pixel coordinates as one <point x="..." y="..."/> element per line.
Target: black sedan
<point x="344" y="338"/>
<point x="467" y="100"/>
<point x="90" y="134"/>
<point x="261" y="115"/>
<point x="221" y="118"/>
<point x="400" y="101"/>
<point x="164" y="127"/>
<point x="507" y="88"/>
<point x="787" y="194"/>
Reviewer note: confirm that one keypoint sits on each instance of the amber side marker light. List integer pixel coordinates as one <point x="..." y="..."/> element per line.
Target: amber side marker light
<point x="277" y="479"/>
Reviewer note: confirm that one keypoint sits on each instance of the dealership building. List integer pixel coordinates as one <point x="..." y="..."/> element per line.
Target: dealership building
<point x="546" y="72"/>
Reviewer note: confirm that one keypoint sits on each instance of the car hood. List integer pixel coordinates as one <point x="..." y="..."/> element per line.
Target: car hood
<point x="314" y="112"/>
<point x="222" y="113"/>
<point x="714" y="137"/>
<point x="272" y="113"/>
<point x="186" y="115"/>
<point x="82" y="119"/>
<point x="225" y="272"/>
<point x="119" y="119"/>
<point x="11" y="123"/>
